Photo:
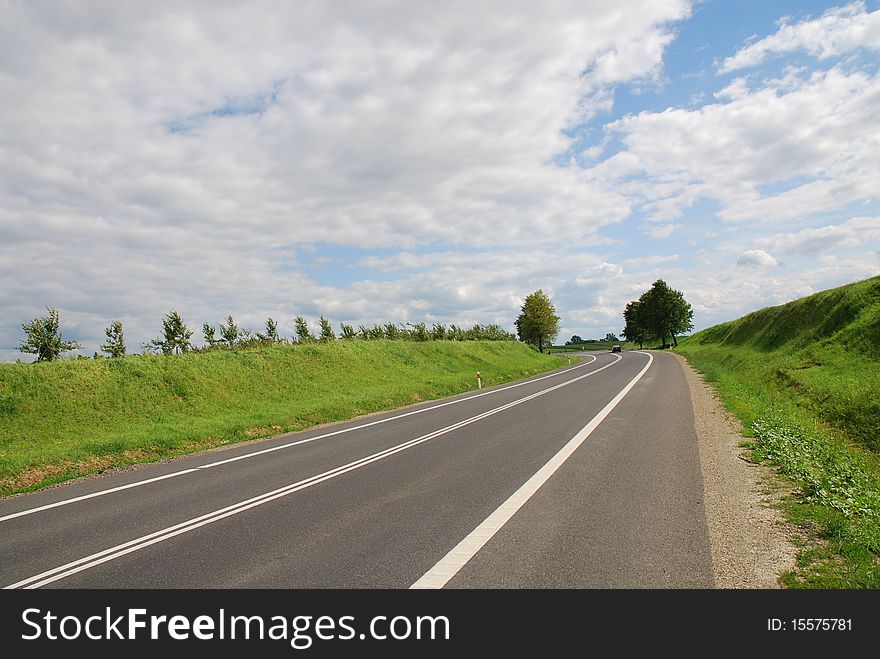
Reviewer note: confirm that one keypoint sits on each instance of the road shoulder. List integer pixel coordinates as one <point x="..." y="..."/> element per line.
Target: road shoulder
<point x="751" y="545"/>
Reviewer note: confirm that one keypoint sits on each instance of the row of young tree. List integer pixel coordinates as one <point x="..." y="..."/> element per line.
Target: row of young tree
<point x="176" y="337"/>
<point x="44" y="339"/>
<point x="661" y="313"/>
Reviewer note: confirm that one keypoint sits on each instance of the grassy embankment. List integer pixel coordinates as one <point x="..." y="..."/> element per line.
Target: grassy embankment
<point x="64" y="419"/>
<point x="804" y="378"/>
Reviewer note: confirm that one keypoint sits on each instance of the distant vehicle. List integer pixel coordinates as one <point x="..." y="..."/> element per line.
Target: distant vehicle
<point x="615" y="348"/>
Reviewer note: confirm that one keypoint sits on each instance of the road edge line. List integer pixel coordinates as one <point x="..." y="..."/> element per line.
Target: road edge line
<point x="448" y="566"/>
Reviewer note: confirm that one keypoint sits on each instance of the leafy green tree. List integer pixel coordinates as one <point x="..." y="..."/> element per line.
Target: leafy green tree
<point x="115" y="345"/>
<point x="667" y="314"/>
<point x="272" y="330"/>
<point x="419" y="332"/>
<point x="303" y="335"/>
<point x="209" y="332"/>
<point x="495" y="332"/>
<point x="660" y="313"/>
<point x="635" y="329"/>
<point x="438" y="332"/>
<point x="681" y="316"/>
<point x="229" y="332"/>
<point x="175" y="336"/>
<point x="575" y="339"/>
<point x="327" y="334"/>
<point x="538" y="324"/>
<point x="43" y="338"/>
<point x="348" y="332"/>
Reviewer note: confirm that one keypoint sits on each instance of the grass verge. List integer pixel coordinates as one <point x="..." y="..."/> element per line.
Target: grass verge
<point x="71" y="418"/>
<point x="836" y="477"/>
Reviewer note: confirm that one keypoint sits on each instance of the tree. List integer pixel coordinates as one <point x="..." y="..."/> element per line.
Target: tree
<point x="538" y="324"/>
<point x="229" y="331"/>
<point x="115" y="345"/>
<point x="209" y="332"/>
<point x="634" y="329"/>
<point x="574" y="340"/>
<point x="348" y="332"/>
<point x="175" y="335"/>
<point x="272" y="330"/>
<point x="611" y="338"/>
<point x="43" y="338"/>
<point x="327" y="334"/>
<point x="666" y="312"/>
<point x="661" y="313"/>
<point x="303" y="334"/>
<point x="419" y="332"/>
<point x="681" y="318"/>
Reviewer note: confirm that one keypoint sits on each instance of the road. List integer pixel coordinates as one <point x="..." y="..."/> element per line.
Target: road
<point x="586" y="477"/>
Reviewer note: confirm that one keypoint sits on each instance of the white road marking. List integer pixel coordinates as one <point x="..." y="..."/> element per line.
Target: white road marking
<point x="448" y="566"/>
<point x="100" y="493"/>
<point x="69" y="569"/>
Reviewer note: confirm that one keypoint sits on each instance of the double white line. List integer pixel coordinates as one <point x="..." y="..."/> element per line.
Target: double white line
<point x="142" y="542"/>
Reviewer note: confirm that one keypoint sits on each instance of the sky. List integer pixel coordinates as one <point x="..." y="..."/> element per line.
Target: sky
<point x="379" y="161"/>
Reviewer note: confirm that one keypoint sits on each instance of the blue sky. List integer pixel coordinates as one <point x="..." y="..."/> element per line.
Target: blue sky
<point x="407" y="161"/>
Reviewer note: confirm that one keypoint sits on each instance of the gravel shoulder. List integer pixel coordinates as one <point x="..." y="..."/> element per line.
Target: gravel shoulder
<point x="750" y="543"/>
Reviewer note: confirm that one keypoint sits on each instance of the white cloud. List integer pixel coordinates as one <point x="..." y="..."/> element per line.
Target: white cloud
<point x="756" y="257"/>
<point x="838" y="30"/>
<point x="812" y="241"/>
<point x="403" y="162"/>
<point x="782" y="151"/>
<point x="600" y="274"/>
<point x="651" y="260"/>
<point x="188" y="155"/>
<point x="662" y="231"/>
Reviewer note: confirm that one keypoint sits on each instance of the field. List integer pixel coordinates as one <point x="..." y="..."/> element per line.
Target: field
<point x="63" y="419"/>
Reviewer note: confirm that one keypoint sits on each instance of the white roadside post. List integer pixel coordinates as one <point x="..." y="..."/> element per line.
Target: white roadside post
<point x="479" y="381"/>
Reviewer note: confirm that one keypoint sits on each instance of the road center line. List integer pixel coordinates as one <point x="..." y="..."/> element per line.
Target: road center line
<point x="448" y="566"/>
<point x="147" y="481"/>
<point x="117" y="551"/>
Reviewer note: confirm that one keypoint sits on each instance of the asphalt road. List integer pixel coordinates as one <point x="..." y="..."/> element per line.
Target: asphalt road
<point x="588" y="477"/>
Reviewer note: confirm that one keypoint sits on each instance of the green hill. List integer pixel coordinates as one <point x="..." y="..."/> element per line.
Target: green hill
<point x="804" y="378"/>
<point x="822" y="350"/>
<point x="73" y="417"/>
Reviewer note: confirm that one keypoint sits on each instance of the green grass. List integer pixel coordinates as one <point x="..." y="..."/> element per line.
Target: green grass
<point x="804" y="378"/>
<point x="64" y="419"/>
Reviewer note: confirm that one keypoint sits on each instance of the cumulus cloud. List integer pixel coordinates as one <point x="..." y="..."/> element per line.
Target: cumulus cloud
<point x="662" y="231"/>
<point x="812" y="241"/>
<point x="838" y="30"/>
<point x="407" y="161"/>
<point x="187" y="155"/>
<point x="782" y="151"/>
<point x="756" y="257"/>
